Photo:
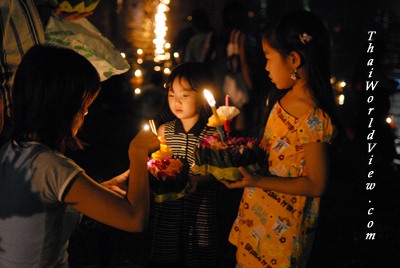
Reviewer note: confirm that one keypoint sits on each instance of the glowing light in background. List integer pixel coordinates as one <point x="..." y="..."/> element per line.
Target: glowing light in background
<point x="119" y="6"/>
<point x="340" y="99"/>
<point x="340" y="85"/>
<point x="167" y="71"/>
<point x="138" y="73"/>
<point x="160" y="31"/>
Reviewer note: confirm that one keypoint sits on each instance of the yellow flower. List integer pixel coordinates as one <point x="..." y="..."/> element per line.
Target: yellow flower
<point x="214" y="121"/>
<point x="165" y="151"/>
<point x="160" y="154"/>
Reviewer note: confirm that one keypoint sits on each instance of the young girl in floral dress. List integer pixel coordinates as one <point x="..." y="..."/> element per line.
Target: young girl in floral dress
<point x="278" y="213"/>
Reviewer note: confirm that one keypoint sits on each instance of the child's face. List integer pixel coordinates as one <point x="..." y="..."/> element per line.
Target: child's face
<point x="279" y="68"/>
<point x="182" y="100"/>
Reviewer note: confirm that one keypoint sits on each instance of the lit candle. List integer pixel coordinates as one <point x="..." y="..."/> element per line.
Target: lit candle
<point x="227" y="122"/>
<point x="211" y="101"/>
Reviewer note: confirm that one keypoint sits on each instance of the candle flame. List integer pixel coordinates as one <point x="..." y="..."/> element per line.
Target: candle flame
<point x="209" y="97"/>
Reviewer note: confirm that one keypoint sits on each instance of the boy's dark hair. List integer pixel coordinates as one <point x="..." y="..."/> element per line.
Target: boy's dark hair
<point x="51" y="86"/>
<point x="285" y="36"/>
<point x="199" y="77"/>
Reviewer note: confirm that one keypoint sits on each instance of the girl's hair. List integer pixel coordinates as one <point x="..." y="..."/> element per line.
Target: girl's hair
<point x="286" y="36"/>
<point x="199" y="77"/>
<point x="52" y="85"/>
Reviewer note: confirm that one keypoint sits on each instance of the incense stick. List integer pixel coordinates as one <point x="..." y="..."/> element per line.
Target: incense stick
<point x="153" y="126"/>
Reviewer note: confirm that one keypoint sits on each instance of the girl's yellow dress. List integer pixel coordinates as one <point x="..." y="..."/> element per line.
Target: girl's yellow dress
<point x="274" y="229"/>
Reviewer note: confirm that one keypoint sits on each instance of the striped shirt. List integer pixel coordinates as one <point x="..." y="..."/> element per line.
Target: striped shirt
<point x="20" y="29"/>
<point x="186" y="229"/>
<point x="184" y="143"/>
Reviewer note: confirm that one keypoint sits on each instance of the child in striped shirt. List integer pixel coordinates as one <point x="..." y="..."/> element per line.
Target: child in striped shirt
<point x="185" y="229"/>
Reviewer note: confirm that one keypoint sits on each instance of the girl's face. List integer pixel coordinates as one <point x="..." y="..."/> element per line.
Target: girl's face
<point x="279" y="68"/>
<point x="182" y="100"/>
<point x="80" y="116"/>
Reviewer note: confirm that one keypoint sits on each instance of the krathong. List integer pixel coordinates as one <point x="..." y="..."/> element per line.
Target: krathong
<point x="168" y="175"/>
<point x="221" y="155"/>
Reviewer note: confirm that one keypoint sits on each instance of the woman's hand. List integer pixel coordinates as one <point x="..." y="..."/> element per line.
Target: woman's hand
<point x="118" y="184"/>
<point x="144" y="140"/>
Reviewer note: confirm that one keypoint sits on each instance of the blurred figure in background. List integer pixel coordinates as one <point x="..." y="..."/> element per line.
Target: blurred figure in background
<point x="20" y="29"/>
<point x="201" y="46"/>
<point x="196" y="42"/>
<point x="235" y="77"/>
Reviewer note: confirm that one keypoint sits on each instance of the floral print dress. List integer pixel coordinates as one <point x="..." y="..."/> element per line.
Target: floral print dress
<point x="274" y="229"/>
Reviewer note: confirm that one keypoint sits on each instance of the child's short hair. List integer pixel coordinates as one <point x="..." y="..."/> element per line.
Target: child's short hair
<point x="52" y="84"/>
<point x="199" y="77"/>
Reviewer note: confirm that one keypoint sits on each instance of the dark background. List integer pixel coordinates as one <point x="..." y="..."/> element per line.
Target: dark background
<point x="118" y="114"/>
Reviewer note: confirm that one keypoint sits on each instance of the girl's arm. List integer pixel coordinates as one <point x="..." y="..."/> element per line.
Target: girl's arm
<point x="311" y="185"/>
<point x="129" y="212"/>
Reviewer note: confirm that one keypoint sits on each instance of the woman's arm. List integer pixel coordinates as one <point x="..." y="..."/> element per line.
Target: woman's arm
<point x="130" y="212"/>
<point x="311" y="185"/>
